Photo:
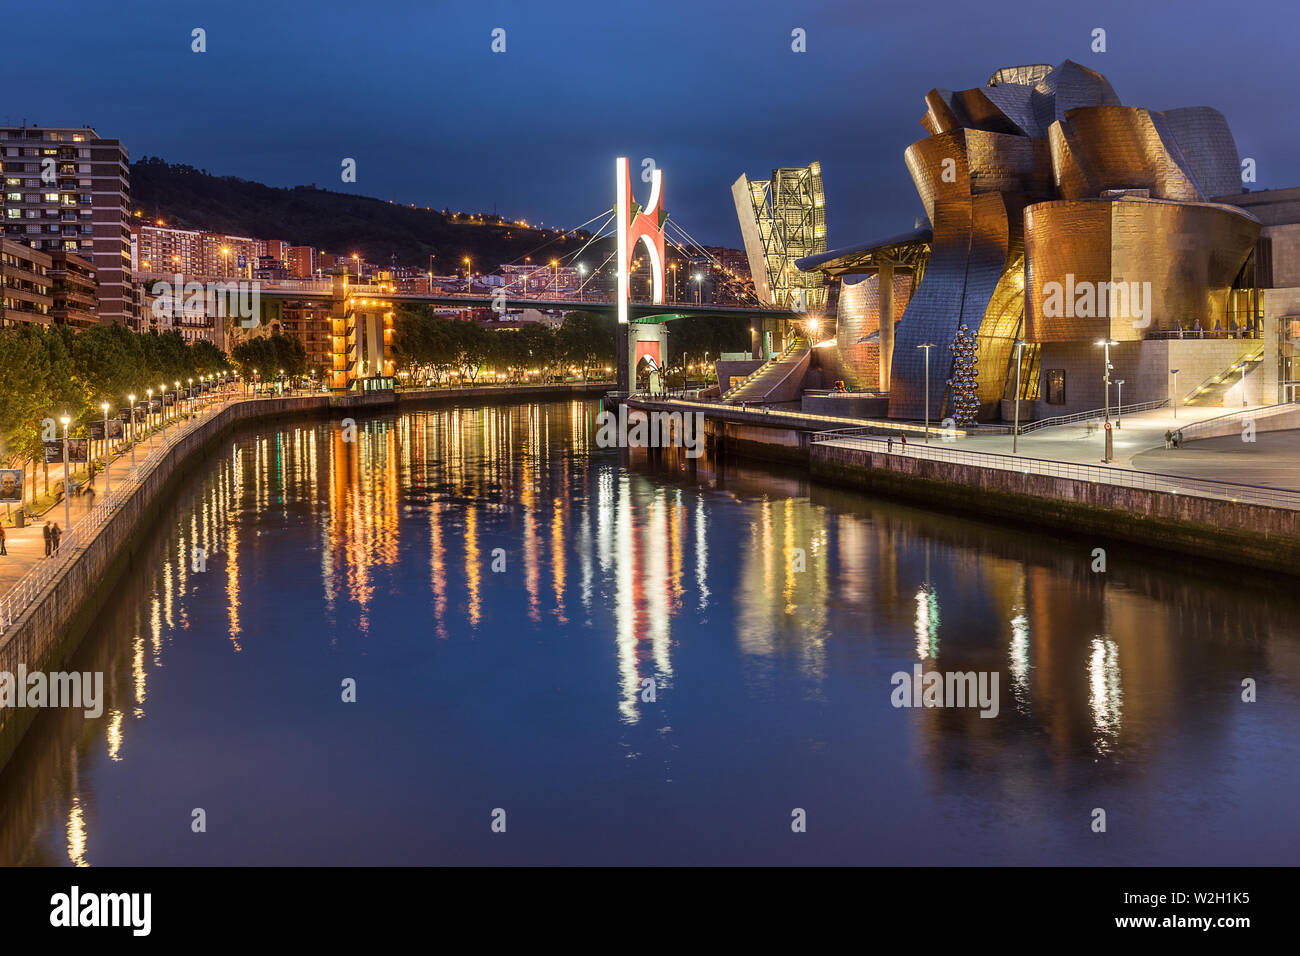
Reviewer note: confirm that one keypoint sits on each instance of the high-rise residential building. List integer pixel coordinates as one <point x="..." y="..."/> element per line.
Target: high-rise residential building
<point x="163" y="250"/>
<point x="233" y="257"/>
<point x="74" y="290"/>
<point x="26" y="289"/>
<point x="69" y="189"/>
<point x="277" y="249"/>
<point x="302" y="262"/>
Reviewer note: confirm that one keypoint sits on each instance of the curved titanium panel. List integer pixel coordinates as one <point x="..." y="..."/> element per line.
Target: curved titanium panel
<point x="1016" y="103"/>
<point x="1000" y="163"/>
<point x="938" y="112"/>
<point x="1068" y="87"/>
<point x="977" y="111"/>
<point x="1118" y="147"/>
<point x="925" y="161"/>
<point x="1207" y="145"/>
<point x="857" y="324"/>
<point x="1154" y="265"/>
<point x="972" y="238"/>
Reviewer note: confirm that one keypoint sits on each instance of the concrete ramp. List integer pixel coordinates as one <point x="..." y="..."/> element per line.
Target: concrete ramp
<point x="780" y="380"/>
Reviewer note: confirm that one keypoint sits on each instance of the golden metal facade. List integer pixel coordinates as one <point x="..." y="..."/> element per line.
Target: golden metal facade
<point x="1150" y="265"/>
<point x="1043" y="184"/>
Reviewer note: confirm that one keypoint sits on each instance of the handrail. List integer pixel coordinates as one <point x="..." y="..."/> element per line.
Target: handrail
<point x="24" y="592"/>
<point x="795" y="340"/>
<point x="1097" y="474"/>
<point x="1093" y="413"/>
<point x="1256" y="412"/>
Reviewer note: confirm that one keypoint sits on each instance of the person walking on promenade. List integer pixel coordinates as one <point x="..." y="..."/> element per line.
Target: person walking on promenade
<point x="55" y="535"/>
<point x="49" y="540"/>
<point x="2" y="540"/>
<point x="1169" y="438"/>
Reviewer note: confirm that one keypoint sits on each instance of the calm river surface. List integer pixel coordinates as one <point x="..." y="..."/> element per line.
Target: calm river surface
<point x="528" y="689"/>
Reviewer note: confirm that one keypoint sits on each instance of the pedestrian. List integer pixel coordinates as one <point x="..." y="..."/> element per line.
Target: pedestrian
<point x="2" y="540"/>
<point x="56" y="534"/>
<point x="904" y="438"/>
<point x="49" y="539"/>
<point x="889" y="445"/>
<point x="1178" y="438"/>
<point x="1169" y="438"/>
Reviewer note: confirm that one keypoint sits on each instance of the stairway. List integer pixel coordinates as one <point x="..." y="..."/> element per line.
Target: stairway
<point x="756" y="387"/>
<point x="1213" y="390"/>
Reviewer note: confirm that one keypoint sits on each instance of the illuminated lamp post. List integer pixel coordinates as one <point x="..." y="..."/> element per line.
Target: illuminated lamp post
<point x="67" y="475"/>
<point x="1020" y="357"/>
<point x="1174" y="398"/>
<point x="927" y="348"/>
<point x="108" y="482"/>
<point x="131" y="398"/>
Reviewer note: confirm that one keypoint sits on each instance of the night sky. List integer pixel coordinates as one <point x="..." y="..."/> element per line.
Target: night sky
<point x="413" y="92"/>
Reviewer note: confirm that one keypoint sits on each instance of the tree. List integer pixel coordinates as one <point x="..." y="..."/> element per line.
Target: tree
<point x="587" y="339"/>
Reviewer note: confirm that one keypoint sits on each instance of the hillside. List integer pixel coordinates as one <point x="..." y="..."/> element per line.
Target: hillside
<point x="334" y="222"/>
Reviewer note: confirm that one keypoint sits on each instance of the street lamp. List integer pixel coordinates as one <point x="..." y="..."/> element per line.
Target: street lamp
<point x="555" y="288"/>
<point x="131" y="398"/>
<point x="673" y="266"/>
<point x="225" y="261"/>
<point x="469" y="278"/>
<point x="108" y="482"/>
<point x="1106" y="344"/>
<point x="1020" y="358"/>
<point x="698" y="293"/>
<point x="927" y="348"/>
<point x="148" y="416"/>
<point x="357" y="259"/>
<point x="67" y="475"/>
<point x="1119" y="403"/>
<point x="162" y="397"/>
<point x="1174" y="398"/>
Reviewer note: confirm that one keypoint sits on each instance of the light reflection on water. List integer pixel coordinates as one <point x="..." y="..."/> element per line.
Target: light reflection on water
<point x="667" y="655"/>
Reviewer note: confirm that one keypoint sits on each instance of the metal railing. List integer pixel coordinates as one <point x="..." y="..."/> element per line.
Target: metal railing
<point x="15" y="602"/>
<point x="1259" y="411"/>
<point x="1094" y="413"/>
<point x="1097" y="474"/>
<point x="795" y="342"/>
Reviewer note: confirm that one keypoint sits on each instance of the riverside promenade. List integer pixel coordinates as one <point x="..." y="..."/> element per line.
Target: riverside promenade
<point x="1210" y="499"/>
<point x="45" y="611"/>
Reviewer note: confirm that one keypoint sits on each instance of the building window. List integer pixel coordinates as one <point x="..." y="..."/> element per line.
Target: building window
<point x="1054" y="382"/>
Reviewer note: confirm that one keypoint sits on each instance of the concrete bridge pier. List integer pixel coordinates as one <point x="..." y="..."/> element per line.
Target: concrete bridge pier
<point x="643" y="340"/>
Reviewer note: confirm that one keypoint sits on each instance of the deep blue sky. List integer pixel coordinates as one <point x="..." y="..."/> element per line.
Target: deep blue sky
<point x="432" y="116"/>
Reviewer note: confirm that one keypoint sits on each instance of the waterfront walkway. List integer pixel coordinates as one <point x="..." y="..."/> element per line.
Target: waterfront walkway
<point x="25" y="570"/>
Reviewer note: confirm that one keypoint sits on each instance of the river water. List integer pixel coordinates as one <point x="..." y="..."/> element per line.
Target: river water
<point x="644" y="662"/>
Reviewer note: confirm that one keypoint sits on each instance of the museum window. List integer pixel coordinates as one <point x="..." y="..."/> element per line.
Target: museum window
<point x="1054" y="386"/>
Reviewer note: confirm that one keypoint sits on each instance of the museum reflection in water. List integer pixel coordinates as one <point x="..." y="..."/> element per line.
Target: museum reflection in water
<point x="654" y="556"/>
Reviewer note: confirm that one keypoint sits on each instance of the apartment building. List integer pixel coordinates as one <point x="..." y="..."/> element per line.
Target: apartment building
<point x="26" y="289"/>
<point x="74" y="288"/>
<point x="68" y="189"/>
